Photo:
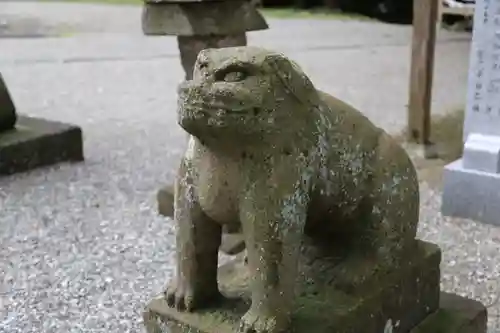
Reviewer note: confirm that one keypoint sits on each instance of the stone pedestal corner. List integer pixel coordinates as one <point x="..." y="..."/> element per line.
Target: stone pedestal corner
<point x="471" y="185"/>
<point x="27" y="142"/>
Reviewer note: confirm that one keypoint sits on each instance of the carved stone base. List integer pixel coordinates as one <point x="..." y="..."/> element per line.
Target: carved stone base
<point x="456" y="314"/>
<point x="471" y="185"/>
<point x="37" y="142"/>
<point x="406" y="299"/>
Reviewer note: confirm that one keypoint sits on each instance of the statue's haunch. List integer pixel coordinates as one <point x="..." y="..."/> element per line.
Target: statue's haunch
<point x="271" y="154"/>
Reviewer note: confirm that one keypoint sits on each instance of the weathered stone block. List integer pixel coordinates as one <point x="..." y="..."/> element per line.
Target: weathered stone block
<point x="482" y="153"/>
<point x="37" y="142"/>
<point x="471" y="193"/>
<point x="403" y="297"/>
<point x="456" y="314"/>
<point x="201" y="18"/>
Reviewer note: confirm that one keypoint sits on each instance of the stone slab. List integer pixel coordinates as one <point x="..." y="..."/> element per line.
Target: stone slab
<point x="201" y="19"/>
<point x="38" y="142"/>
<point x="405" y="297"/>
<point x="471" y="194"/>
<point x="482" y="153"/>
<point x="456" y="314"/>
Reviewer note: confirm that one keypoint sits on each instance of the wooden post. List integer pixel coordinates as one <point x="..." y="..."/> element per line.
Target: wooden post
<point x="422" y="66"/>
<point x="440" y="13"/>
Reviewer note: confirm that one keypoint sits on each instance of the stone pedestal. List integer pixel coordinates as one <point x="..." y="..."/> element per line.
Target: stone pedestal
<point x="472" y="184"/>
<point x="38" y="142"/>
<point x="406" y="299"/>
<point x="27" y="143"/>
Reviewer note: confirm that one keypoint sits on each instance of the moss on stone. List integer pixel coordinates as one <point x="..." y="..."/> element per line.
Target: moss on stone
<point x="331" y="311"/>
<point x="407" y="294"/>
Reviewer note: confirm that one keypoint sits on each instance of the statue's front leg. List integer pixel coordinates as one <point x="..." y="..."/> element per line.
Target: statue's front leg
<point x="273" y="230"/>
<point x="198" y="241"/>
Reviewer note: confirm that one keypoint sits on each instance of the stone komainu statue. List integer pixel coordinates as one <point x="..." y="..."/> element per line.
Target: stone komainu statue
<point x="290" y="165"/>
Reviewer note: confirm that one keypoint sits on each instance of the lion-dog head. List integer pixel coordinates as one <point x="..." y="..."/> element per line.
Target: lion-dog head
<point x="243" y="93"/>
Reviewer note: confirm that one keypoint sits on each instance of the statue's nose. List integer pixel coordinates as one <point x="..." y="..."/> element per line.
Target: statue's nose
<point x="203" y="57"/>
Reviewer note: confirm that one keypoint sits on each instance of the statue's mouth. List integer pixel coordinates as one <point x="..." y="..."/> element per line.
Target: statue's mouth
<point x="216" y="110"/>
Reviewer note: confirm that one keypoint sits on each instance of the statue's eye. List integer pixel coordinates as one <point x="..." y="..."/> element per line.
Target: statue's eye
<point x="235" y="76"/>
<point x="232" y="73"/>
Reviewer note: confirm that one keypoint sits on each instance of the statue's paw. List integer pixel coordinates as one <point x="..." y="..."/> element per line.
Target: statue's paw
<point x="256" y="322"/>
<point x="184" y="297"/>
<point x="180" y="297"/>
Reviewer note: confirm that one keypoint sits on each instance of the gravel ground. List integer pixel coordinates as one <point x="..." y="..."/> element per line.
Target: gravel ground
<point x="84" y="248"/>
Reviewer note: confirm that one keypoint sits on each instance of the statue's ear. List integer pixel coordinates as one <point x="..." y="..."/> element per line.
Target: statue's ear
<point x="291" y="76"/>
<point x="204" y="59"/>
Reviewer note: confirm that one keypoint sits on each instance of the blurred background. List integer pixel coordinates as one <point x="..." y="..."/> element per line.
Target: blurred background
<point x="392" y="11"/>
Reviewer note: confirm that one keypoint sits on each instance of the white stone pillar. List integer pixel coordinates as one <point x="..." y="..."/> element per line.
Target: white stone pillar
<point x="472" y="183"/>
